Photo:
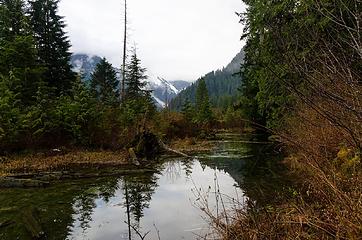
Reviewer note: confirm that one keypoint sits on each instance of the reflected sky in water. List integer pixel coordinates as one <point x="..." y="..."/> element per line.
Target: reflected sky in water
<point x="168" y="201"/>
<point x="172" y="210"/>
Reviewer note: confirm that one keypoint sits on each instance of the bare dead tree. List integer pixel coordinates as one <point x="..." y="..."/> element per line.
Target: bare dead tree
<point x="124" y="51"/>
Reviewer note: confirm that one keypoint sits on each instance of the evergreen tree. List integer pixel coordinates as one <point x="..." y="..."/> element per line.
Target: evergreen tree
<point x="18" y="56"/>
<point x="203" y="110"/>
<point x="104" y="83"/>
<point x="135" y="78"/>
<point x="13" y="21"/>
<point x="140" y="99"/>
<point x="188" y="110"/>
<point x="52" y="44"/>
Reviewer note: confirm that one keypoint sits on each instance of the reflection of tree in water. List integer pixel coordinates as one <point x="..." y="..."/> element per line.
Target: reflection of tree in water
<point x="85" y="203"/>
<point x="187" y="166"/>
<point x="257" y="170"/>
<point x="83" y="207"/>
<point x="140" y="191"/>
<point x="108" y="189"/>
<point x="264" y="175"/>
<point x="172" y="170"/>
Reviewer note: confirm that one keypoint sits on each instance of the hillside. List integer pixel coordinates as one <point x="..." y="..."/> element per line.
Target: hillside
<point x="222" y="86"/>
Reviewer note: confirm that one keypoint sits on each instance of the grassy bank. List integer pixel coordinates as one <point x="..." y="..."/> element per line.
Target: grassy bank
<point x="54" y="161"/>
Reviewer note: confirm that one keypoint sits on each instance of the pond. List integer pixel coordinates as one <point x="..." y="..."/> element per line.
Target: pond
<point x="163" y="205"/>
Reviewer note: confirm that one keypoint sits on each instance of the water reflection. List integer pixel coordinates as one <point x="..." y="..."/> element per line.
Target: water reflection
<point x="116" y="208"/>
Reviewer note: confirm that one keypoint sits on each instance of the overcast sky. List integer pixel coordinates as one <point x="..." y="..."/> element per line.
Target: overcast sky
<point x="176" y="39"/>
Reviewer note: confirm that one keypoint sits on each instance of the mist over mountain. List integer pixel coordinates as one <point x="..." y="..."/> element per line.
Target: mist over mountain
<point x="163" y="90"/>
<point x="222" y="85"/>
<point x="84" y="64"/>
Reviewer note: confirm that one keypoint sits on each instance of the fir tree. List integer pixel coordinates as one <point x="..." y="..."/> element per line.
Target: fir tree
<point x="203" y="110"/>
<point x="52" y="44"/>
<point x="138" y="99"/>
<point x="104" y="83"/>
<point x="135" y="78"/>
<point x="188" y="110"/>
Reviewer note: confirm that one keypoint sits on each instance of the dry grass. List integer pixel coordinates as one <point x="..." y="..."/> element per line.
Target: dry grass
<point x="43" y="162"/>
<point x="328" y="202"/>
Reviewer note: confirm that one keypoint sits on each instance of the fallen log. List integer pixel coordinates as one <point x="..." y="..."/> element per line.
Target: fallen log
<point x="167" y="149"/>
<point x="7" y="182"/>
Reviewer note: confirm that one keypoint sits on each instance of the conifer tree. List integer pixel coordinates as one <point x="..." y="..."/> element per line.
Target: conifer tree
<point x="52" y="44"/>
<point x="13" y="21"/>
<point x="136" y="94"/>
<point x="135" y="76"/>
<point x="188" y="110"/>
<point x="18" y="54"/>
<point x="104" y="83"/>
<point x="203" y="110"/>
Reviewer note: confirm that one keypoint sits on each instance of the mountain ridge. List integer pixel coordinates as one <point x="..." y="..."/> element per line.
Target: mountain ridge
<point x="162" y="90"/>
<point x="222" y="85"/>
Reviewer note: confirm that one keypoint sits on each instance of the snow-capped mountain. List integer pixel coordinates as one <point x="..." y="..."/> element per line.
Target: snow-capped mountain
<point x="163" y="90"/>
<point x="84" y="64"/>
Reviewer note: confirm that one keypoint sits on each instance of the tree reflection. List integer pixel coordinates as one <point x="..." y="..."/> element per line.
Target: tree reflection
<point x="138" y="191"/>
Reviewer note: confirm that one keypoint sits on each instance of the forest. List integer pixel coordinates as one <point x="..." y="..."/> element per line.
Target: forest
<point x="297" y="86"/>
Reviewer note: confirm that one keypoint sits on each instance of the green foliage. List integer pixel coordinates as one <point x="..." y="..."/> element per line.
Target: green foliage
<point x="285" y="43"/>
<point x="203" y="110"/>
<point x="104" y="83"/>
<point x="135" y="76"/>
<point x="188" y="110"/>
<point x="138" y="103"/>
<point x="52" y="44"/>
<point x="222" y="86"/>
<point x="11" y="118"/>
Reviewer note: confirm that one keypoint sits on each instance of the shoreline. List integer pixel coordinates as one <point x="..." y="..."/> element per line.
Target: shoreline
<point x="42" y="169"/>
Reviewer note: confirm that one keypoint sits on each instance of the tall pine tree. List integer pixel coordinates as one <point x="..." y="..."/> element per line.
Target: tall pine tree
<point x="52" y="44"/>
<point x="204" y="113"/>
<point x="104" y="83"/>
<point x="135" y="93"/>
<point x="135" y="76"/>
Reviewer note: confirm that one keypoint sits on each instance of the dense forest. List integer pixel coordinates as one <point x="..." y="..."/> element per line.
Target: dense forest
<point x="44" y="104"/>
<point x="223" y="86"/>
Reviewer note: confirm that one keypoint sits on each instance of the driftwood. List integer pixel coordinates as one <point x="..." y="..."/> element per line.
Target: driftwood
<point x="167" y="149"/>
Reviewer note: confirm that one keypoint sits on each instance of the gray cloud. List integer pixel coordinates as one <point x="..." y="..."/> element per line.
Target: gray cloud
<point x="176" y="39"/>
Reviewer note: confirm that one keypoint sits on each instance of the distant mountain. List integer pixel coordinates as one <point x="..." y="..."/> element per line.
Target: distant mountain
<point x="180" y="84"/>
<point x="84" y="64"/>
<point x="163" y="90"/>
<point x="222" y="85"/>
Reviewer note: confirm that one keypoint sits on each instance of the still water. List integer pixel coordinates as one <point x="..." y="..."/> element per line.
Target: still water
<point x="162" y="205"/>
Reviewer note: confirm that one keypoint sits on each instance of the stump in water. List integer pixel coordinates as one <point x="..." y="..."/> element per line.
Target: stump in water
<point x="149" y="146"/>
